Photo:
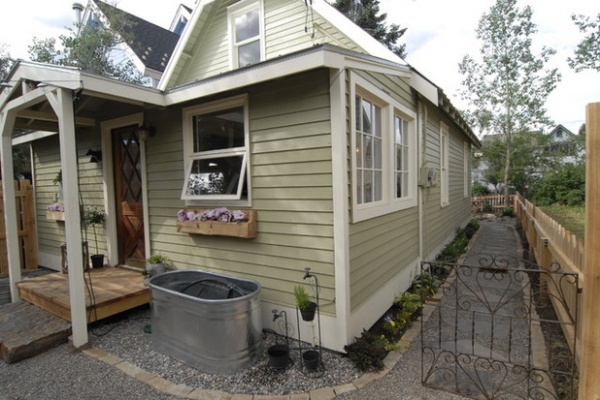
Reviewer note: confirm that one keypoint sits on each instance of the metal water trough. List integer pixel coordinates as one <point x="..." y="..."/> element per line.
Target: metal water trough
<point x="209" y="321"/>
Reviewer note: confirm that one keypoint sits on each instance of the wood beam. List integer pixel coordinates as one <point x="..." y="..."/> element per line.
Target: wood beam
<point x="63" y="107"/>
<point x="589" y="384"/>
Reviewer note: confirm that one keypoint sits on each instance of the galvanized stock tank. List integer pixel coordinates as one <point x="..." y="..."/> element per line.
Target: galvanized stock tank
<point x="209" y="321"/>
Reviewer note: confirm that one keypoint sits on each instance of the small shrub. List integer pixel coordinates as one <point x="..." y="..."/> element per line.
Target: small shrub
<point x="487" y="207"/>
<point x="479" y="190"/>
<point x="425" y="284"/>
<point x="508" y="212"/>
<point x="367" y="352"/>
<point x="471" y="228"/>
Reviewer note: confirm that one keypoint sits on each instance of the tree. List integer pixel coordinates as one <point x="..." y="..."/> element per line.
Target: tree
<point x="365" y="13"/>
<point x="5" y="62"/>
<point x="508" y="88"/>
<point x="587" y="53"/>
<point x="90" y="47"/>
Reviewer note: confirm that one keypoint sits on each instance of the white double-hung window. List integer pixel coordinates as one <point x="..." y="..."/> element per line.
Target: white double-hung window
<point x="246" y="32"/>
<point x="216" y="151"/>
<point x="384" y="160"/>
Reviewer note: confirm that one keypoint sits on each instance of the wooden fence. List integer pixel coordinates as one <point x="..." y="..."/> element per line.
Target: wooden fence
<point x="491" y="203"/>
<point x="551" y="245"/>
<point x="26" y="227"/>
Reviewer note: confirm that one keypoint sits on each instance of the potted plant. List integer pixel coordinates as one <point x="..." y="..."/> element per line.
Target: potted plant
<point x="95" y="217"/>
<point x="306" y="306"/>
<point x="156" y="264"/>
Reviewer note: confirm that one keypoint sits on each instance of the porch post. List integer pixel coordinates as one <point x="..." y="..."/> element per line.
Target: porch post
<point x="7" y="122"/>
<point x="63" y="107"/>
<point x="589" y="384"/>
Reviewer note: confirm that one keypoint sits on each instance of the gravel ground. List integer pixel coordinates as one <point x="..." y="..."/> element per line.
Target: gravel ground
<point x="127" y="340"/>
<point x="63" y="373"/>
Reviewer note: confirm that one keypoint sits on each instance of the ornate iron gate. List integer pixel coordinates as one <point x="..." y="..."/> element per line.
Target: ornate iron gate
<point x="485" y="338"/>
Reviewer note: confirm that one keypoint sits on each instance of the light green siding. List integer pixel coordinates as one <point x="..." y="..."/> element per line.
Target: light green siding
<point x="382" y="247"/>
<point x="46" y="164"/>
<point x="291" y="184"/>
<point x="289" y="27"/>
<point x="440" y="223"/>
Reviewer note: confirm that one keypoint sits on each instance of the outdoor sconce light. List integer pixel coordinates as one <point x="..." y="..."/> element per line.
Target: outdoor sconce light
<point x="96" y="155"/>
<point x="145" y="131"/>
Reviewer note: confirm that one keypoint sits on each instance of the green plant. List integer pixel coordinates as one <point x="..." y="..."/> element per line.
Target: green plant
<point x="487" y="207"/>
<point x="58" y="178"/>
<point x="425" y="284"/>
<point x="367" y="352"/>
<point x="479" y="190"/>
<point x="302" y="297"/>
<point x="158" y="259"/>
<point x="508" y="212"/>
<point x="93" y="217"/>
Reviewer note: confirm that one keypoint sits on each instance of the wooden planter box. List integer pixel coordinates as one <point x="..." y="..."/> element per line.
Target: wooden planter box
<point x="55" y="215"/>
<point x="245" y="230"/>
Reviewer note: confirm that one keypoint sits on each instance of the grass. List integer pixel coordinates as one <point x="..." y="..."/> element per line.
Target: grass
<point x="571" y="217"/>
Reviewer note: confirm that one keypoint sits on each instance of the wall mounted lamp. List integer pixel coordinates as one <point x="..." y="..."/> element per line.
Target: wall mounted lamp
<point x="145" y="131"/>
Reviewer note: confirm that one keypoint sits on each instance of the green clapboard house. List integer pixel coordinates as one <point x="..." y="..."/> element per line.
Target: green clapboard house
<point x="352" y="162"/>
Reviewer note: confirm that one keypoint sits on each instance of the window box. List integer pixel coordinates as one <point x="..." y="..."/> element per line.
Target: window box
<point x="246" y="229"/>
<point x="55" y="215"/>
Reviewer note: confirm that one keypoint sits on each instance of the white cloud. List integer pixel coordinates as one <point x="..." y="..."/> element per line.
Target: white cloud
<point x="441" y="32"/>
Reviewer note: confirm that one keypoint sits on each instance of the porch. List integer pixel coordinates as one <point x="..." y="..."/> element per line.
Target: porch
<point x="108" y="291"/>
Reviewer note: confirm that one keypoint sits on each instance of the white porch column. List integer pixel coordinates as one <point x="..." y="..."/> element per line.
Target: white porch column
<point x="7" y="121"/>
<point x="62" y="103"/>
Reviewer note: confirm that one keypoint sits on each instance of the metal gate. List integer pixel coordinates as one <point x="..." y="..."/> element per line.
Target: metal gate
<point x="485" y="337"/>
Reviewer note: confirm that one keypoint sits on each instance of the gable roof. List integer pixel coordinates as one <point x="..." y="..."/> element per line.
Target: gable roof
<point x="152" y="44"/>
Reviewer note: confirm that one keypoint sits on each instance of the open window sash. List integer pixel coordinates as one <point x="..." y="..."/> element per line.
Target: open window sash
<point x="216" y="176"/>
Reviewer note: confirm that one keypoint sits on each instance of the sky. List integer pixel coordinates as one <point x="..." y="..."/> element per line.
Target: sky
<point x="440" y="33"/>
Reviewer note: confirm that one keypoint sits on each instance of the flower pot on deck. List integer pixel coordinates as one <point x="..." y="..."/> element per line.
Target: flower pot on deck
<point x="97" y="260"/>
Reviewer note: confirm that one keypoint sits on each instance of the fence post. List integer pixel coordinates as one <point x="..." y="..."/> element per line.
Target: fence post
<point x="589" y="384"/>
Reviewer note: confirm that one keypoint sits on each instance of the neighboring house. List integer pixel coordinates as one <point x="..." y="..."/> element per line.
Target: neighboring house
<point x="563" y="146"/>
<point x="356" y="165"/>
<point x="148" y="46"/>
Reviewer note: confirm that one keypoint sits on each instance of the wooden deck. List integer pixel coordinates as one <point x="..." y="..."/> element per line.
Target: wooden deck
<point x="114" y="289"/>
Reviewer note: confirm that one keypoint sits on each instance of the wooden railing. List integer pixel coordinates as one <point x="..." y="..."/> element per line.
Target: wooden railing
<point x="493" y="203"/>
<point x="551" y="245"/>
<point x="26" y="228"/>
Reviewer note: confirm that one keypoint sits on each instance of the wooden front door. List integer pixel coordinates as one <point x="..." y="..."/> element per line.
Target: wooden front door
<point x="128" y="195"/>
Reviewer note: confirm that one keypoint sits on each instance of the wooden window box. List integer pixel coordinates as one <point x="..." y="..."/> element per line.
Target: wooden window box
<point x="245" y="229"/>
<point x="55" y="215"/>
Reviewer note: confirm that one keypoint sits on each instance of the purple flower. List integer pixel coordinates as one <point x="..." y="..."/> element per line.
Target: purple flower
<point x="182" y="215"/>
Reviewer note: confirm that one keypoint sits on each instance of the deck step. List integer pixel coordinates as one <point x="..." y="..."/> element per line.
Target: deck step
<point x="27" y="330"/>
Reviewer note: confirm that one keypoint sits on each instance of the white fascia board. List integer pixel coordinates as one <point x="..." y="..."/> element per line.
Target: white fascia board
<point x="32" y="137"/>
<point x="113" y="89"/>
<point x="355" y="33"/>
<point x="293" y="65"/>
<point x="248" y="77"/>
<point x="426" y="88"/>
<point x="182" y="43"/>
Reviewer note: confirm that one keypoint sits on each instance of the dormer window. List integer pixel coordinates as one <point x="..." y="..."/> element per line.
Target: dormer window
<point x="246" y="33"/>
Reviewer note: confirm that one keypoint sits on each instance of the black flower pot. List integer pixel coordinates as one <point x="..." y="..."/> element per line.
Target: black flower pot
<point x="97" y="260"/>
<point x="279" y="356"/>
<point x="311" y="359"/>
<point x="308" y="314"/>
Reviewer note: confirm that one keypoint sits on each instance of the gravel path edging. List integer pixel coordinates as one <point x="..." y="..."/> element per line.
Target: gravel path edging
<point x="325" y="393"/>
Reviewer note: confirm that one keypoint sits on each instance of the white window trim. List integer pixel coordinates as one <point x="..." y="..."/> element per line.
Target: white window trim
<point x="389" y="108"/>
<point x="466" y="162"/>
<point x="189" y="156"/>
<point x="232" y="12"/>
<point x="444" y="164"/>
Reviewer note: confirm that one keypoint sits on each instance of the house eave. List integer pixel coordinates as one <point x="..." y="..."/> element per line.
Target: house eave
<point x="322" y="56"/>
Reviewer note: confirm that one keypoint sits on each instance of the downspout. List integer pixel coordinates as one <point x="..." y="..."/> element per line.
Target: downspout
<point x="422" y="140"/>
